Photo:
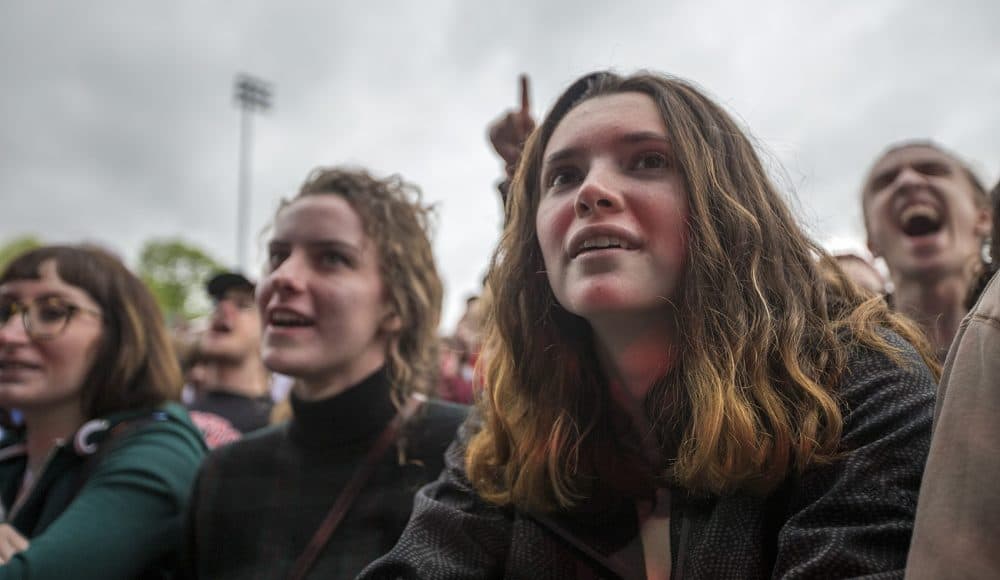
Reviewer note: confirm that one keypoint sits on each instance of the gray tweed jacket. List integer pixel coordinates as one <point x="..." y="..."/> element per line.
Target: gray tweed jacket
<point x="849" y="519"/>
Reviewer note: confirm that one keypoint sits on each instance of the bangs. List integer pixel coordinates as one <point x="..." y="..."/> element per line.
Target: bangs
<point x="27" y="266"/>
<point x="77" y="266"/>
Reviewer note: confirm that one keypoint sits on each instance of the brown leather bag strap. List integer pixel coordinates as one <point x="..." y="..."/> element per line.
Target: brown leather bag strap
<point x="350" y="492"/>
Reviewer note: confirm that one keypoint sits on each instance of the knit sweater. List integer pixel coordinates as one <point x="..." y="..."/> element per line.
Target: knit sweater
<point x="258" y="502"/>
<point x="849" y="518"/>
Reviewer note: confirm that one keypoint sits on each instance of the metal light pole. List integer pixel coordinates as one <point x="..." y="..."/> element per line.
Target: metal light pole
<point x="253" y="95"/>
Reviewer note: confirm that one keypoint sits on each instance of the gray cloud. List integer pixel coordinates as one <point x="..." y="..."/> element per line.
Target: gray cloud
<point x="119" y="125"/>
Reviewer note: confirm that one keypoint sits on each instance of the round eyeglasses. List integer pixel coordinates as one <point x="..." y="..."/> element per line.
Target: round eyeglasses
<point x="44" y="318"/>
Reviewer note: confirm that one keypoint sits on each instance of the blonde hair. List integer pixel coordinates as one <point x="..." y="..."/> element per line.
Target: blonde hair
<point x="764" y="337"/>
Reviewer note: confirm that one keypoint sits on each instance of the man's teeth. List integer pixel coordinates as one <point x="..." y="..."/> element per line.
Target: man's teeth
<point x="601" y="242"/>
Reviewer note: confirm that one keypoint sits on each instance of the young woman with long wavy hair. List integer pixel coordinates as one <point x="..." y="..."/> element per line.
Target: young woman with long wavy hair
<point x="679" y="382"/>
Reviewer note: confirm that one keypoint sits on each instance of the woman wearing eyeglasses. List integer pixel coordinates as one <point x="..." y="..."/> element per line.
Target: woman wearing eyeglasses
<point x="94" y="481"/>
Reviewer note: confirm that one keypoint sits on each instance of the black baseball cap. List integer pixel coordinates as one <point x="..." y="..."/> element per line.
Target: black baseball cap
<point x="219" y="284"/>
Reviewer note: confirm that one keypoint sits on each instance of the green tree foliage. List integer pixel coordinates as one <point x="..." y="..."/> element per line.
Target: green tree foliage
<point x="176" y="272"/>
<point x="15" y="247"/>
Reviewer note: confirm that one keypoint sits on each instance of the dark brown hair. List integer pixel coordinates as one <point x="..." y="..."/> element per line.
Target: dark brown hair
<point x="135" y="366"/>
<point x="765" y="315"/>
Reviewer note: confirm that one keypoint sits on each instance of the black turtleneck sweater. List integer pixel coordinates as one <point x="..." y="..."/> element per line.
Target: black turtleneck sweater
<point x="257" y="502"/>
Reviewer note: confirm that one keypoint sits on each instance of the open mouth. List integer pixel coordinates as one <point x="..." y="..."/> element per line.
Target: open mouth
<point x="286" y="319"/>
<point x="920" y="220"/>
<point x="221" y="327"/>
<point x="17" y="366"/>
<point x="602" y="243"/>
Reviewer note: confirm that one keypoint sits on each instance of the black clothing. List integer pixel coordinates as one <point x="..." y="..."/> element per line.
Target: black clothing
<point x="246" y="414"/>
<point x="257" y="502"/>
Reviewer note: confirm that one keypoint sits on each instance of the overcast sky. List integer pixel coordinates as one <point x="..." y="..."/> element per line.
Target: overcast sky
<point x="117" y="119"/>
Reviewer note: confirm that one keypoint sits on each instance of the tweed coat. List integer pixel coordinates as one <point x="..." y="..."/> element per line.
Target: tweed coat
<point x="849" y="518"/>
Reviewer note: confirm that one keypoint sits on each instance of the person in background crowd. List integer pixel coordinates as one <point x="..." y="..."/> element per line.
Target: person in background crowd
<point x="927" y="216"/>
<point x="93" y="485"/>
<point x="460" y="353"/>
<point x="237" y="386"/>
<point x="862" y="272"/>
<point x="197" y="373"/>
<point x="674" y="387"/>
<point x="350" y="300"/>
<point x="959" y="510"/>
<point x="197" y="370"/>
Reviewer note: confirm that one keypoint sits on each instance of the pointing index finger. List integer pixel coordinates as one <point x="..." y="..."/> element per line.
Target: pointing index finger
<point x="525" y="101"/>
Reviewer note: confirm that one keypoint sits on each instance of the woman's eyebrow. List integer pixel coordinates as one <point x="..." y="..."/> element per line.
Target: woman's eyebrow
<point x="335" y="244"/>
<point x="633" y="137"/>
<point x="561" y="155"/>
<point x="640" y="136"/>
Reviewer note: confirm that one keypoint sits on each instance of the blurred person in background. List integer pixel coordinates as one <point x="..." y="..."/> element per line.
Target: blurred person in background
<point x="927" y="216"/>
<point x="235" y="385"/>
<point x="351" y="301"/>
<point x="94" y="483"/>
<point x="862" y="272"/>
<point x="198" y="372"/>
<point x="459" y="354"/>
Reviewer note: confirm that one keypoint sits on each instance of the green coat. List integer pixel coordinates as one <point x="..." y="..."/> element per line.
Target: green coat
<point x="112" y="514"/>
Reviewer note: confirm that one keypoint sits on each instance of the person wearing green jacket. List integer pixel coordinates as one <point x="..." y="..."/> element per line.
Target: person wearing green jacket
<point x="95" y="478"/>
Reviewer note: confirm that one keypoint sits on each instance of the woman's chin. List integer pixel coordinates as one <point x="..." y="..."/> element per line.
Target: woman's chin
<point x="285" y="361"/>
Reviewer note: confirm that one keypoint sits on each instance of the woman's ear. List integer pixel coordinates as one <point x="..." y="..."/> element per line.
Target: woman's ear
<point x="392" y="323"/>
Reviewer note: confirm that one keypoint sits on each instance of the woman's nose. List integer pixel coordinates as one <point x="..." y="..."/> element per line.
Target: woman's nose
<point x="599" y="192"/>
<point x="13" y="331"/>
<point x="288" y="276"/>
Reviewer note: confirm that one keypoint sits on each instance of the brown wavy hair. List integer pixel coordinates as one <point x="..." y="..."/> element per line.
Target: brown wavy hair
<point x="135" y="366"/>
<point x="766" y="324"/>
<point x="399" y="224"/>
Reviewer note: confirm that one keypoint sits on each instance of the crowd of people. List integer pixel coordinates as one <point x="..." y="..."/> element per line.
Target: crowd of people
<point x="663" y="377"/>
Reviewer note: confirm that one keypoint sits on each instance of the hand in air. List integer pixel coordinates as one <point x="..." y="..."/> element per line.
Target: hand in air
<point x="509" y="132"/>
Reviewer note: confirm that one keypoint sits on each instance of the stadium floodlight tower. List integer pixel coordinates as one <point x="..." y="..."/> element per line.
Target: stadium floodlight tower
<point x="252" y="94"/>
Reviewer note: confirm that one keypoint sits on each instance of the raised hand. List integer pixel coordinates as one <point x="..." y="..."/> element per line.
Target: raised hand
<point x="509" y="131"/>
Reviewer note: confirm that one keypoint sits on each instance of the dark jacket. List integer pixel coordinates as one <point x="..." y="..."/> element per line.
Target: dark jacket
<point x="258" y="501"/>
<point x="108" y="504"/>
<point x="851" y="518"/>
